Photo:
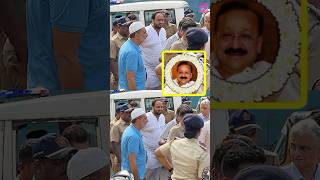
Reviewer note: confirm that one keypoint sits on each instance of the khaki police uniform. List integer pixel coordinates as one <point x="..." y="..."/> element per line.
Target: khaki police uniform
<point x="179" y="45"/>
<point x="189" y="159"/>
<point x="169" y="115"/>
<point x="112" y="122"/>
<point x="117" y="130"/>
<point x="115" y="136"/>
<point x="176" y="131"/>
<point x="115" y="44"/>
<point x="11" y="76"/>
<point x="171" y="29"/>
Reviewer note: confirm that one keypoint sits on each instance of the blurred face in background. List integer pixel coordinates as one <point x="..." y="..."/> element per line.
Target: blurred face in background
<point x="305" y="151"/>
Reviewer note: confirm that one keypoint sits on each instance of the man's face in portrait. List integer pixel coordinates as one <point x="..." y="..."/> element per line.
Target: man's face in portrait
<point x="238" y="41"/>
<point x="184" y="74"/>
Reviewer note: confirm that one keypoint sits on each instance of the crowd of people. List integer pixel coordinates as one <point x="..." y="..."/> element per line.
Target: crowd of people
<point x="135" y="49"/>
<point x="65" y="156"/>
<point x="162" y="144"/>
<point x="239" y="157"/>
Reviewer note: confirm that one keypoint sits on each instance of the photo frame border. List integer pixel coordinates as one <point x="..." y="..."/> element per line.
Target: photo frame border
<point x="204" y="71"/>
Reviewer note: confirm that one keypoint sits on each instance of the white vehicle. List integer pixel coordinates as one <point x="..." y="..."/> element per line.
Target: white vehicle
<point x="51" y="114"/>
<point x="143" y="98"/>
<point x="144" y="10"/>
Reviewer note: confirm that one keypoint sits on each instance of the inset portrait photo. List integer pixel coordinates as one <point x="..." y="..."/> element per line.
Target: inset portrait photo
<point x="184" y="74"/>
<point x="256" y="50"/>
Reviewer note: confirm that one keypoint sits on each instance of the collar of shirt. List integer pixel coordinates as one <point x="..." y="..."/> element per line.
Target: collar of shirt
<point x="156" y="32"/>
<point x="247" y="74"/>
<point x="192" y="140"/>
<point x="206" y="30"/>
<point x="203" y="117"/>
<point x="123" y="122"/>
<point x="295" y="173"/>
<point x="135" y="45"/>
<point x="118" y="35"/>
<point x="136" y="130"/>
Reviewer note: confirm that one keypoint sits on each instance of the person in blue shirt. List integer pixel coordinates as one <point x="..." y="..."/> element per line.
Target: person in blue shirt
<point x="132" y="73"/>
<point x="67" y="44"/>
<point x="133" y="153"/>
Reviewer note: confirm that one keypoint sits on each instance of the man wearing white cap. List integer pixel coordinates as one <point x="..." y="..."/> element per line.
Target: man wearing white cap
<point x="133" y="153"/>
<point x="90" y="163"/>
<point x="132" y="74"/>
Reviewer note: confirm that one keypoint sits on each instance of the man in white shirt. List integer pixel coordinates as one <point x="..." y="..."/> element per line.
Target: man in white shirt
<point x="152" y="47"/>
<point x="151" y="137"/>
<point x="305" y="149"/>
<point x="205" y="110"/>
<point x="204" y="137"/>
<point x="206" y="23"/>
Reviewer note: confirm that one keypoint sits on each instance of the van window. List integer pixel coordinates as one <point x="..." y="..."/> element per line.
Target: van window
<point x="148" y="103"/>
<point x="129" y="101"/>
<point x="148" y="15"/>
<point x="124" y="14"/>
<point x="26" y="127"/>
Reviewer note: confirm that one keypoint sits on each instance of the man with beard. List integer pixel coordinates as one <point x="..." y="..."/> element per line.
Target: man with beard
<point x="131" y="68"/>
<point x="184" y="76"/>
<point x="151" y="136"/>
<point x="305" y="149"/>
<point x="152" y="47"/>
<point x="115" y="44"/>
<point x="51" y="154"/>
<point x="133" y="153"/>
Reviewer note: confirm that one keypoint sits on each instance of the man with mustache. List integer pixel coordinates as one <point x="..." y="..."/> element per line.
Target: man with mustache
<point x="184" y="76"/>
<point x="304" y="149"/>
<point x="238" y="41"/>
<point x="151" y="137"/>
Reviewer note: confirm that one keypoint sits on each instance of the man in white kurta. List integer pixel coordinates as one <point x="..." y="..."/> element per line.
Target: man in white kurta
<point x="151" y="49"/>
<point x="151" y="137"/>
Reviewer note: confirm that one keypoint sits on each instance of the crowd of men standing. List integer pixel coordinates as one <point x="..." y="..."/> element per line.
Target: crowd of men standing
<point x="135" y="49"/>
<point x="150" y="145"/>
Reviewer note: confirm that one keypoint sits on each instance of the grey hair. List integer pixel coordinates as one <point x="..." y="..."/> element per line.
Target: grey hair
<point x="307" y="126"/>
<point x="205" y="102"/>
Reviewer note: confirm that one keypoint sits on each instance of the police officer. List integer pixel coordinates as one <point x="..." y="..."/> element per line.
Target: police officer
<point x="116" y="133"/>
<point x="115" y="44"/>
<point x="243" y="122"/>
<point x="189" y="158"/>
